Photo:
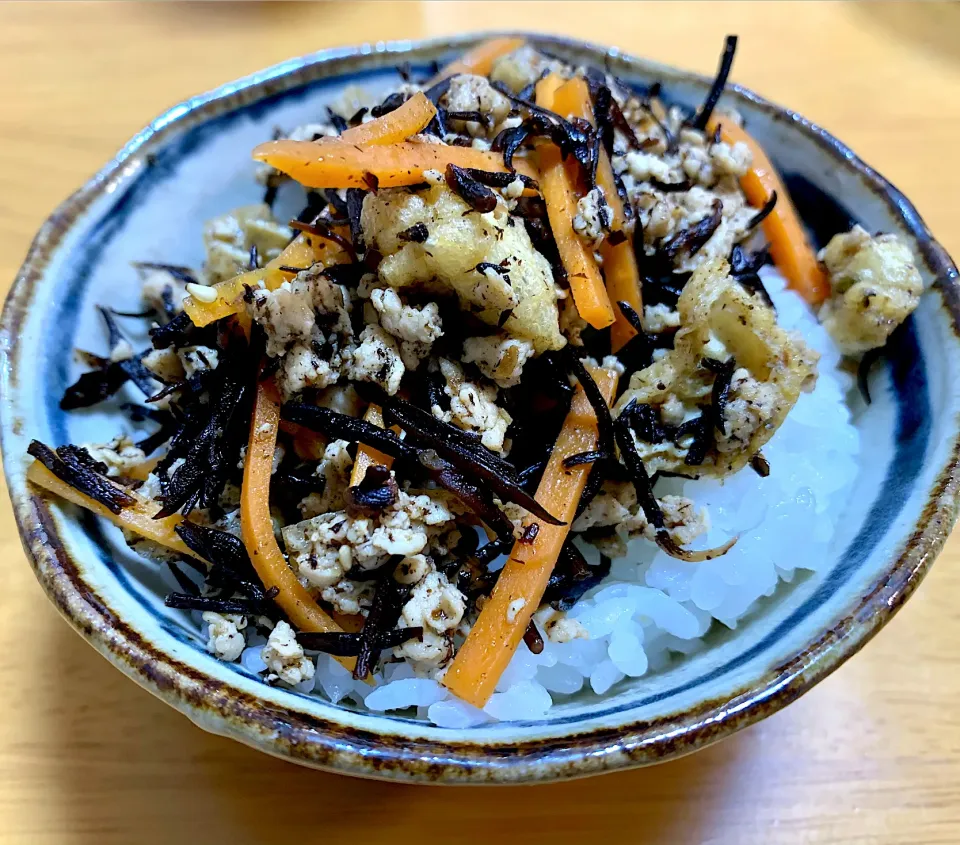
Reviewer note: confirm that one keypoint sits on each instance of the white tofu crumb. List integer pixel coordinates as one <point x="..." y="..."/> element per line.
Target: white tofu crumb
<point x="121" y="455"/>
<point x="165" y="364"/>
<point x="406" y="528"/>
<point x="196" y="358"/>
<point x="438" y="607"/>
<point x="564" y="629"/>
<point x="377" y="359"/>
<point x="284" y="656"/>
<point x="473" y="407"/>
<point x="593" y="217"/>
<point x="498" y="357"/>
<point x="513" y="189"/>
<point x="416" y="328"/>
<point x="224" y="637"/>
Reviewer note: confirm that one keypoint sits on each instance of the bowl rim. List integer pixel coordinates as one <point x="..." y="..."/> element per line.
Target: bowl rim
<point x="327" y="744"/>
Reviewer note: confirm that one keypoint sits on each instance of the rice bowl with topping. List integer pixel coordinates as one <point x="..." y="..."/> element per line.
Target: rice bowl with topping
<point x="362" y="483"/>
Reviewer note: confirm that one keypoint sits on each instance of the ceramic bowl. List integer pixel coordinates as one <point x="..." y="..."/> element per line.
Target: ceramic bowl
<point x="193" y="162"/>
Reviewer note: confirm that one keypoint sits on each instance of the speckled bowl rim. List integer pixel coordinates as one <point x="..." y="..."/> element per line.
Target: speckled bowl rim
<point x="326" y="744"/>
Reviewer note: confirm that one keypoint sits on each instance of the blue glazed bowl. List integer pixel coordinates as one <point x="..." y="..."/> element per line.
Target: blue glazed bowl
<point x="149" y="203"/>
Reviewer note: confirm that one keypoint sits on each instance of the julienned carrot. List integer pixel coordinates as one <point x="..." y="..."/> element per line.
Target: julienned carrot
<point x="557" y="187"/>
<point x="302" y="252"/>
<point x="791" y="251"/>
<point x="137" y="518"/>
<point x="394" y="126"/>
<point x="623" y="285"/>
<point x="309" y="445"/>
<point x="338" y="164"/>
<point x="257" y="526"/>
<point x="572" y="99"/>
<point x="480" y="59"/>
<point x="494" y="638"/>
<point x="367" y="456"/>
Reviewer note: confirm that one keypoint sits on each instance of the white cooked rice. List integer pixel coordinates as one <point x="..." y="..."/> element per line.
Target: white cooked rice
<point x="653" y="609"/>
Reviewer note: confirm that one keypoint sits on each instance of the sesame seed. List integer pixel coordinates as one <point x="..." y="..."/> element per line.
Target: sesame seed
<point x="202" y="293"/>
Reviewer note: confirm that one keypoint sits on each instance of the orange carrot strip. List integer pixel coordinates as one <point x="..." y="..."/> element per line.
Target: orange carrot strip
<point x="367" y="456"/>
<point x="791" y="251"/>
<point x="397" y="125"/>
<point x="257" y="526"/>
<point x="309" y="445"/>
<point x="302" y="252"/>
<point x="623" y="285"/>
<point x="336" y="164"/>
<point x="137" y="518"/>
<point x="557" y="187"/>
<point x="480" y="59"/>
<point x="494" y="638"/>
<point x="572" y="99"/>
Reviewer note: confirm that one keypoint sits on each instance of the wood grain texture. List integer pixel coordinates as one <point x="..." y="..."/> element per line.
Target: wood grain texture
<point x="870" y="756"/>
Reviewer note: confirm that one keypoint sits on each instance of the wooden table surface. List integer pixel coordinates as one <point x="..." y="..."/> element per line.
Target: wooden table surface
<point x="870" y="756"/>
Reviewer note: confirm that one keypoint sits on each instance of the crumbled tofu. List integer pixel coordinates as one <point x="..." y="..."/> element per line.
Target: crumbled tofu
<point x="162" y="289"/>
<point x="705" y="171"/>
<point x="334" y="468"/>
<point x="558" y="627"/>
<point x="288" y="314"/>
<point x="301" y="368"/>
<point x="196" y="358"/>
<point x="165" y="364"/>
<point x="593" y="217"/>
<point x="348" y="596"/>
<point x="750" y="405"/>
<point x="438" y="607"/>
<point x="720" y="319"/>
<point x="415" y="327"/>
<point x="730" y="160"/>
<point x="460" y="239"/>
<point x="643" y="166"/>
<point x="377" y="359"/>
<point x="405" y="528"/>
<point x="307" y="324"/>
<point x="616" y="506"/>
<point x="498" y="357"/>
<point x="284" y="656"/>
<point x="875" y="286"/>
<point x="522" y="67"/>
<point x="229" y="238"/>
<point x="412" y="569"/>
<point x="659" y="318"/>
<point x="473" y="407"/>
<point x="434" y="604"/>
<point x="475" y="93"/>
<point x="120" y="455"/>
<point x="224" y="637"/>
<point x="513" y="189"/>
